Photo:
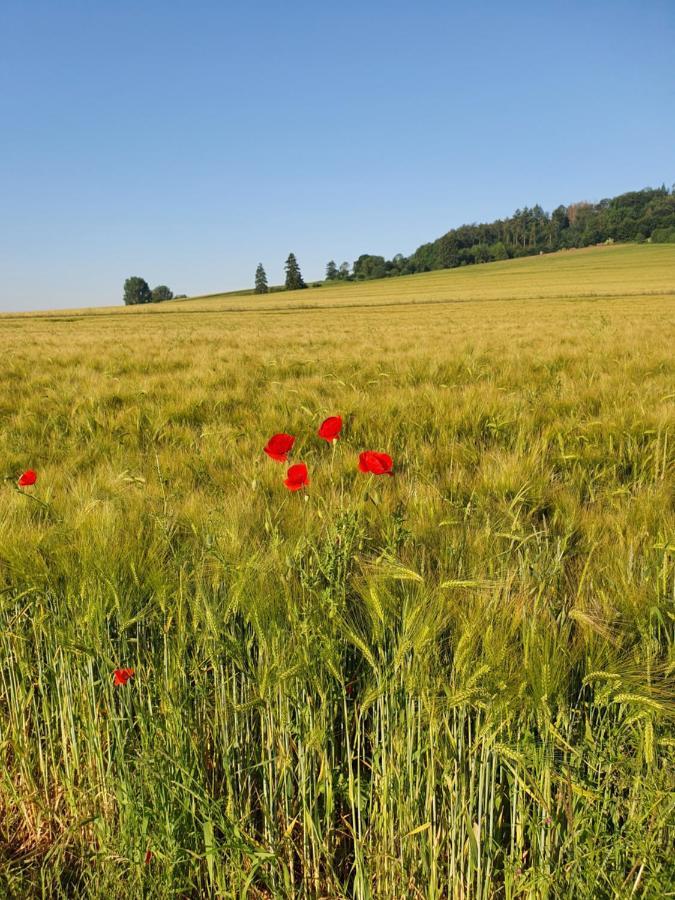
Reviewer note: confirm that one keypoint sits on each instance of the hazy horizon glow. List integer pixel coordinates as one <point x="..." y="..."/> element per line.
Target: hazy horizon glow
<point x="187" y="142"/>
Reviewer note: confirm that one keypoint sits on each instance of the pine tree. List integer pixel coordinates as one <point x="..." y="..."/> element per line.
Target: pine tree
<point x="331" y="271"/>
<point x="293" y="277"/>
<point x="260" y="280"/>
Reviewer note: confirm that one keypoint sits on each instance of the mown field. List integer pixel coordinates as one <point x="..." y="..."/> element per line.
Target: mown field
<point x="453" y="683"/>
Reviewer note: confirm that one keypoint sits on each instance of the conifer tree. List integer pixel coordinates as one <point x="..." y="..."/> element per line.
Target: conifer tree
<point x="293" y="277"/>
<point x="331" y="271"/>
<point x="260" y="280"/>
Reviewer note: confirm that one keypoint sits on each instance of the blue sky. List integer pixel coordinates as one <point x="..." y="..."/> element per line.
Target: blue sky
<point x="187" y="141"/>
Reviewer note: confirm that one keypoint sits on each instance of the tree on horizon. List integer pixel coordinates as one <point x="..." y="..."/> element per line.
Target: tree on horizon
<point x="261" y="286"/>
<point x="136" y="290"/>
<point x="331" y="271"/>
<point x="161" y="293"/>
<point x="294" y="280"/>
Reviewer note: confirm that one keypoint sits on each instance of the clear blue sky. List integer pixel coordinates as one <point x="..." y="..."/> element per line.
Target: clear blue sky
<point x="187" y="141"/>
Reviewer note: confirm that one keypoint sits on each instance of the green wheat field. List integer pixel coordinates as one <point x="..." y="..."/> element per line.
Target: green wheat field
<point x="453" y="683"/>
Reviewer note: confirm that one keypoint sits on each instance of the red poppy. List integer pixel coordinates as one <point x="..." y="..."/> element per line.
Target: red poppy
<point x="148" y="857"/>
<point x="296" y="477"/>
<point x="377" y="463"/>
<point x="29" y="477"/>
<point x="279" y="446"/>
<point x="330" y="429"/>
<point x="121" y="676"/>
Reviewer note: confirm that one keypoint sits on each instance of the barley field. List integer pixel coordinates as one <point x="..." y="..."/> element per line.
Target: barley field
<point x="456" y="682"/>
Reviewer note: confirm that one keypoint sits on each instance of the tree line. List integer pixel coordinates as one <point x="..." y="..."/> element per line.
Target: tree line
<point x="646" y="215"/>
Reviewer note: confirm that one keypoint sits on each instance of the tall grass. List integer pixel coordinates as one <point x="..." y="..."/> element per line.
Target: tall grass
<point x="456" y="683"/>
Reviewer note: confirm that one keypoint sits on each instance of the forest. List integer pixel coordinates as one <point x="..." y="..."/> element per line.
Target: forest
<point x="645" y="215"/>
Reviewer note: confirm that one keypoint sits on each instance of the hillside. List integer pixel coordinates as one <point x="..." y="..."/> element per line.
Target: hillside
<point x="628" y="270"/>
<point x="645" y="215"/>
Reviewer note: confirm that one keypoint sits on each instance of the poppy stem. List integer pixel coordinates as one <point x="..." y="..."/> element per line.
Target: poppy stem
<point x="35" y="499"/>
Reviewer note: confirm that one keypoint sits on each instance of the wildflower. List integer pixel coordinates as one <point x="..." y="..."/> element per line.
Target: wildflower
<point x="148" y="857"/>
<point x="29" y="477"/>
<point x="279" y="446"/>
<point x="296" y="477"/>
<point x="330" y="428"/>
<point x="121" y="676"/>
<point x="376" y="463"/>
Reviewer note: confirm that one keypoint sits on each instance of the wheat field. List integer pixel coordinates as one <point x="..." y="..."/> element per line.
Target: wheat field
<point x="453" y="683"/>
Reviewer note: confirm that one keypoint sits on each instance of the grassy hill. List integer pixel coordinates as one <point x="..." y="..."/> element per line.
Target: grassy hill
<point x="455" y="682"/>
<point x="610" y="271"/>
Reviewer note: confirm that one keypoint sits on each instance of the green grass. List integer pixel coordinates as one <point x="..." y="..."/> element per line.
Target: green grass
<point x="454" y="683"/>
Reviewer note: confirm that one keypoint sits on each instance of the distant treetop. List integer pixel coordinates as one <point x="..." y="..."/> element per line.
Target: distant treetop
<point x="294" y="280"/>
<point x="161" y="292"/>
<point x="136" y="290"/>
<point x="260" y="280"/>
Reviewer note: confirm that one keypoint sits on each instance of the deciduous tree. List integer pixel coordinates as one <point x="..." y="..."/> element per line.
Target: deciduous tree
<point x="161" y="292"/>
<point x="136" y="290"/>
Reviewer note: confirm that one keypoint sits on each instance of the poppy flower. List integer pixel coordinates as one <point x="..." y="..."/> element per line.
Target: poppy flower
<point x="279" y="446"/>
<point x="296" y="477"/>
<point x="148" y="857"/>
<point x="29" y="477"/>
<point x="121" y="676"/>
<point x="376" y="463"/>
<point x="330" y="428"/>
